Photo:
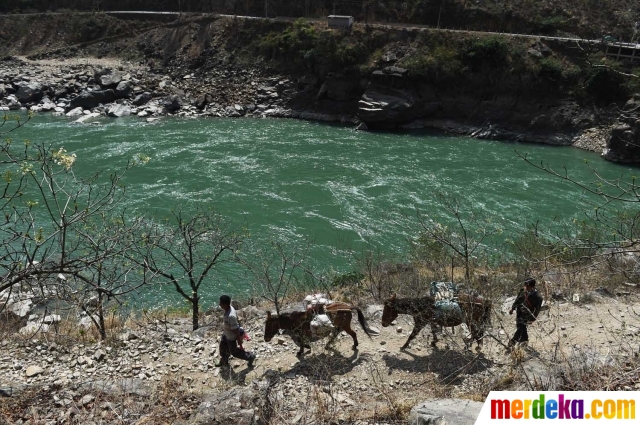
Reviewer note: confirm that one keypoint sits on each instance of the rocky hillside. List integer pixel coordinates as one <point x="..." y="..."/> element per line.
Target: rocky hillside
<point x="155" y="370"/>
<point x="483" y="86"/>
<point x="585" y="18"/>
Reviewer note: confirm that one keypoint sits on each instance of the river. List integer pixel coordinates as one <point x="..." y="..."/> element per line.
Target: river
<point x="289" y="180"/>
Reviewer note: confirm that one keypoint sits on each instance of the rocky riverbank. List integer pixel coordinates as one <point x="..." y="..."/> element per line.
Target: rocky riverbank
<point x="85" y="89"/>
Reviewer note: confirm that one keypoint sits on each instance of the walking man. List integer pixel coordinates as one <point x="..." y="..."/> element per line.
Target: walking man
<point x="231" y="336"/>
<point x="527" y="306"/>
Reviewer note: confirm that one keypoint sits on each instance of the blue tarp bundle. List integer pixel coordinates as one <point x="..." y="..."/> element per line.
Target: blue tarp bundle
<point x="448" y="310"/>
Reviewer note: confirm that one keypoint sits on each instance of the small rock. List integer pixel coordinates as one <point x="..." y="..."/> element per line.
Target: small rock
<point x="99" y="355"/>
<point x="33" y="371"/>
<point x="87" y="399"/>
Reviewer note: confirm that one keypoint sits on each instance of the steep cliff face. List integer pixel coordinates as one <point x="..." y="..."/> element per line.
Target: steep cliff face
<point x="483" y="86"/>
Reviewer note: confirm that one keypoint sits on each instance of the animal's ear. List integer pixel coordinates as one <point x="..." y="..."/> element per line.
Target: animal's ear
<point x="268" y="314"/>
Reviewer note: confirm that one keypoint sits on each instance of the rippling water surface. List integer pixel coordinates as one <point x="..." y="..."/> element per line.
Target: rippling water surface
<point x="292" y="179"/>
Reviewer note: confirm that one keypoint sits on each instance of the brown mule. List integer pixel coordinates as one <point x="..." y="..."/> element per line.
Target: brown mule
<point x="476" y="314"/>
<point x="298" y="324"/>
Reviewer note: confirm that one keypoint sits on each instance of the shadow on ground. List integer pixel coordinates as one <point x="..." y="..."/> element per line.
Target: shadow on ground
<point x="321" y="366"/>
<point x="450" y="365"/>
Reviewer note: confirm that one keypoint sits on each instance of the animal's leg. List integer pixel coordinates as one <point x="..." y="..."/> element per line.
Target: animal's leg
<point x="332" y="337"/>
<point x="477" y="333"/>
<point x="434" y="333"/>
<point x="416" y="330"/>
<point x="353" y="335"/>
<point x="299" y="339"/>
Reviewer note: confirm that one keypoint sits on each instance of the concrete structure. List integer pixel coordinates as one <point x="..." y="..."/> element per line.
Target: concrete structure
<point x="340" y="22"/>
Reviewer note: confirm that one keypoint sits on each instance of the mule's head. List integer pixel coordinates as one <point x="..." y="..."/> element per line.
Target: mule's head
<point x="271" y="327"/>
<point x="390" y="313"/>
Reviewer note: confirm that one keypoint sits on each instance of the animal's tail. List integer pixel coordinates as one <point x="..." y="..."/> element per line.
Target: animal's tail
<point x="363" y="322"/>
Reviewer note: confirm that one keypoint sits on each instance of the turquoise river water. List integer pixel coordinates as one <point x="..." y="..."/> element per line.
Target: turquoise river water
<point x="290" y="180"/>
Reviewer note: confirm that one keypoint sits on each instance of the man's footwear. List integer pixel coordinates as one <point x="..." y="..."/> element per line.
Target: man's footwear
<point x="222" y="363"/>
<point x="250" y="361"/>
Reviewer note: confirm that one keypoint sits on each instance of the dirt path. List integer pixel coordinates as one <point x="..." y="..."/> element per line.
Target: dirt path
<point x="378" y="383"/>
<point x="379" y="371"/>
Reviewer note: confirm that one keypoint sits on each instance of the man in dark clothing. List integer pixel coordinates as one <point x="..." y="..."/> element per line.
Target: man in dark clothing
<point x="231" y="336"/>
<point x="527" y="306"/>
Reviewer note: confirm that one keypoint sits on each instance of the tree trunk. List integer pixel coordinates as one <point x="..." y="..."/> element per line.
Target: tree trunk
<point x="467" y="271"/>
<point x="102" y="329"/>
<point x="195" y="300"/>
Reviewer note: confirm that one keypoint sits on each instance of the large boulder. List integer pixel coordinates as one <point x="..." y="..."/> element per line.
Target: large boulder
<point x="449" y="411"/>
<point x="29" y="92"/>
<point x="624" y="144"/>
<point x="388" y="100"/>
<point x="172" y="103"/>
<point x="75" y="112"/>
<point x="47" y="105"/>
<point x="98" y="73"/>
<point x="60" y="92"/>
<point x="12" y="102"/>
<point x="91" y="99"/>
<point x="142" y="99"/>
<point x="383" y="106"/>
<point x="118" y="111"/>
<point x="124" y="89"/>
<point x="203" y="100"/>
<point x="110" y="80"/>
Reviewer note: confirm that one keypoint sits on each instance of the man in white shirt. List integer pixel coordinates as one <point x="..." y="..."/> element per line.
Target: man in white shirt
<point x="231" y="336"/>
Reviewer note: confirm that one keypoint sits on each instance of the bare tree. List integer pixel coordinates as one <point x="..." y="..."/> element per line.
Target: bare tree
<point x="185" y="250"/>
<point x="45" y="208"/>
<point x="468" y="235"/>
<point x="108" y="279"/>
<point x="276" y="270"/>
<point x="611" y="227"/>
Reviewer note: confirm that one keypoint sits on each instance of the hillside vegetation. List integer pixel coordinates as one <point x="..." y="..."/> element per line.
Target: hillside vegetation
<point x="585" y="18"/>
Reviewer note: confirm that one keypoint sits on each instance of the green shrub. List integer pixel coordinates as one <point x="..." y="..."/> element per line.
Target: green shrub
<point x="291" y="43"/>
<point x="305" y="49"/>
<point x="551" y="24"/>
<point x="559" y="72"/>
<point x="440" y="65"/>
<point x="486" y="53"/>
<point x="605" y="85"/>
